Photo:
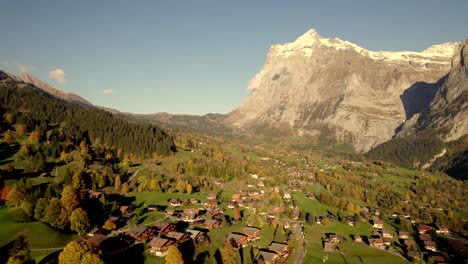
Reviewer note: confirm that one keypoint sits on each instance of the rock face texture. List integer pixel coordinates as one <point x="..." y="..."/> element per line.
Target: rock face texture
<point x="316" y="86"/>
<point x="448" y="112"/>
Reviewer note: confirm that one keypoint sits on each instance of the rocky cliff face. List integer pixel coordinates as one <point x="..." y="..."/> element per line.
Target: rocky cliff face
<point x="315" y="85"/>
<point x="447" y="114"/>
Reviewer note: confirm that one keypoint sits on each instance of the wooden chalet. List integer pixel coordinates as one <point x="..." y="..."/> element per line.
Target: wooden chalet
<point x="237" y="240"/>
<point x="177" y="237"/>
<point x="387" y="241"/>
<point x="425" y="237"/>
<point x="175" y="202"/>
<point x="319" y="219"/>
<point x="268" y="257"/>
<point x="281" y="249"/>
<point x="252" y="233"/>
<point x="377" y="223"/>
<point x="141" y="233"/>
<point x="403" y="234"/>
<point x="377" y="243"/>
<point x="109" y="246"/>
<point x="328" y="247"/>
<point x="387" y="233"/>
<point x="196" y="236"/>
<point x="164" y="228"/>
<point x="430" y="245"/>
<point x="409" y="243"/>
<point x="423" y="229"/>
<point x="334" y="238"/>
<point x="442" y="229"/>
<point x="158" y="246"/>
<point x="212" y="223"/>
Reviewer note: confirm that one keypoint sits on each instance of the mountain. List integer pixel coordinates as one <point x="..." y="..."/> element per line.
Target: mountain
<point x="38" y="110"/>
<point x="447" y="113"/>
<point x="69" y="97"/>
<point x="331" y="87"/>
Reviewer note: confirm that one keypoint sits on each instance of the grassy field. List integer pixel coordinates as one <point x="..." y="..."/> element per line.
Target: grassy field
<point x="38" y="235"/>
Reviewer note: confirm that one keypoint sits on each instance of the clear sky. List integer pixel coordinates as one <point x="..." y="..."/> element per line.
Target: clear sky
<point x="196" y="57"/>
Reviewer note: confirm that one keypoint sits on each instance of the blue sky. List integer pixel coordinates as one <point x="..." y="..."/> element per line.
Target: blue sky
<point x="196" y="57"/>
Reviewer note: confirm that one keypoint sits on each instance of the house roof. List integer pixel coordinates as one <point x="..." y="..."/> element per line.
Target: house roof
<point x="248" y="230"/>
<point x="424" y="228"/>
<point x="159" y="242"/>
<point x="175" y="235"/>
<point x="267" y="256"/>
<point x="194" y="233"/>
<point x="403" y="233"/>
<point x="137" y="231"/>
<point x="235" y="237"/>
<point x="162" y="226"/>
<point x="277" y="247"/>
<point x="328" y="246"/>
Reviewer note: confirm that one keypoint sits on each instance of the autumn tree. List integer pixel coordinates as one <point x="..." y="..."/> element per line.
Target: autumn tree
<point x="41" y="206"/>
<point x="79" y="221"/>
<point x="15" y="196"/>
<point x="8" y="137"/>
<point x="55" y="214"/>
<point x="174" y="256"/>
<point x="70" y="199"/>
<point x="110" y="225"/>
<point x="19" y="252"/>
<point x="117" y="183"/>
<point x="124" y="189"/>
<point x="228" y="254"/>
<point x="79" y="253"/>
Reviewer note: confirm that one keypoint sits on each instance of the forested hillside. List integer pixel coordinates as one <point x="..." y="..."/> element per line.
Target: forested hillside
<point x="23" y="104"/>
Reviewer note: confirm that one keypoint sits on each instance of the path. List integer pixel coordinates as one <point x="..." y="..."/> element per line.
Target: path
<point x="133" y="176"/>
<point x="45" y="249"/>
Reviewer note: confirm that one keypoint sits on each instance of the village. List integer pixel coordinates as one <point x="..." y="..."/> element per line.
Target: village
<point x="191" y="223"/>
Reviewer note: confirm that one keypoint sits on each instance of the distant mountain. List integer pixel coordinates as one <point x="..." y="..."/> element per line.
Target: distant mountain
<point x="57" y="93"/>
<point x="331" y="87"/>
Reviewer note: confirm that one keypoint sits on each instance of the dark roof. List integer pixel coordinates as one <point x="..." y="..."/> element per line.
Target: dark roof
<point x="277" y="247"/>
<point x="248" y="230"/>
<point x="137" y="231"/>
<point x="159" y="242"/>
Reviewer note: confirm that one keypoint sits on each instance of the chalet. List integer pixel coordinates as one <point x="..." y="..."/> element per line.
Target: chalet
<point x="430" y="245"/>
<point x="377" y="243"/>
<point x="141" y="233"/>
<point x="442" y="229"/>
<point x="377" y="223"/>
<point x="254" y="176"/>
<point x="425" y="237"/>
<point x="387" y="241"/>
<point x="271" y="214"/>
<point x="328" y="247"/>
<point x="260" y="184"/>
<point x="387" y="233"/>
<point x="194" y="201"/>
<point x="403" y="234"/>
<point x="333" y="238"/>
<point x="189" y="215"/>
<point x="177" y="237"/>
<point x="350" y="221"/>
<point x="364" y="210"/>
<point x="196" y="236"/>
<point x="281" y="249"/>
<point x="232" y="204"/>
<point x="319" y="219"/>
<point x="423" y="229"/>
<point x="88" y="194"/>
<point x="153" y="207"/>
<point x="438" y="259"/>
<point x="158" y="246"/>
<point x="235" y="197"/>
<point x="212" y="223"/>
<point x="287" y="196"/>
<point x="97" y="231"/>
<point x="414" y="255"/>
<point x="237" y="240"/>
<point x="267" y="257"/>
<point x="164" y="228"/>
<point x="358" y="239"/>
<point x="175" y="202"/>
<point x="252" y="233"/>
<point x="124" y="209"/>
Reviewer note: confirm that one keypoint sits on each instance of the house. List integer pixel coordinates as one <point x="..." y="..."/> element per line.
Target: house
<point x="296" y="213"/>
<point x="235" y="197"/>
<point x="423" y="229"/>
<point x="196" y="236"/>
<point x="267" y="257"/>
<point x="232" y="204"/>
<point x="387" y="241"/>
<point x="237" y="240"/>
<point x="212" y="223"/>
<point x="414" y="255"/>
<point x="158" y="246"/>
<point x="442" y="229"/>
<point x="328" y="247"/>
<point x="350" y="221"/>
<point x="425" y="237"/>
<point x="124" y="209"/>
<point x="177" y="237"/>
<point x="387" y="233"/>
<point x="141" y="233"/>
<point x="252" y="233"/>
<point x="358" y="239"/>
<point x="164" y="228"/>
<point x="279" y="248"/>
<point x="438" y="259"/>
<point x="153" y="207"/>
<point x="377" y="223"/>
<point x="189" y="215"/>
<point x="175" y="202"/>
<point x="377" y="243"/>
<point x="335" y="238"/>
<point x="403" y="234"/>
<point x="287" y="196"/>
<point x="97" y="231"/>
<point x="430" y="245"/>
<point x="319" y="219"/>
